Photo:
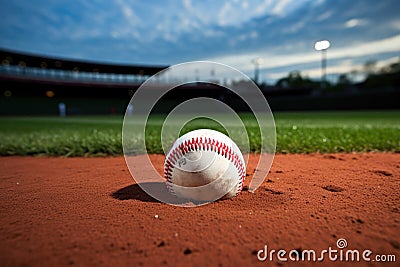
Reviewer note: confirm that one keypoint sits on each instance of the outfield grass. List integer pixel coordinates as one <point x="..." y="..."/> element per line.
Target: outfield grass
<point x="300" y="132"/>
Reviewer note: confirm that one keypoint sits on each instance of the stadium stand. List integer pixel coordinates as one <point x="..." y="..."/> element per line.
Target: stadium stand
<point x="17" y="65"/>
<point x="36" y="85"/>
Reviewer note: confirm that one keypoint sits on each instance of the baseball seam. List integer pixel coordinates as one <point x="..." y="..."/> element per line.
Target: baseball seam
<point x="205" y="144"/>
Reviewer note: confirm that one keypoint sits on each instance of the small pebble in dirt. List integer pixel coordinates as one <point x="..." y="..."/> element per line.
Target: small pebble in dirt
<point x="156" y="216"/>
<point x="187" y="251"/>
<point x="274" y="192"/>
<point x="333" y="188"/>
<point x="385" y="173"/>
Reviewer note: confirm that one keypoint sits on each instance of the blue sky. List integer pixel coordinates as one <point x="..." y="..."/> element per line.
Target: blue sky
<point x="282" y="32"/>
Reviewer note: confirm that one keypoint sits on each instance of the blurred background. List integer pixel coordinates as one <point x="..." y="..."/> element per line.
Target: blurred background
<point x="89" y="57"/>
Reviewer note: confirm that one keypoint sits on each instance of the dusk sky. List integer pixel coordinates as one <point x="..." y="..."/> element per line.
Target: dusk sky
<point x="282" y="32"/>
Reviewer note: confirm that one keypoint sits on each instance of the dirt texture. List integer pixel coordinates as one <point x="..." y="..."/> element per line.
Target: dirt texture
<point x="90" y="212"/>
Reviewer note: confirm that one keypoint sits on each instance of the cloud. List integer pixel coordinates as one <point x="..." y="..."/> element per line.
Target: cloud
<point x="295" y="27"/>
<point x="224" y="14"/>
<point x="371" y="49"/>
<point x="355" y="23"/>
<point x="278" y="7"/>
<point x="281" y="7"/>
<point x="187" y="4"/>
<point x="391" y="44"/>
<point x="324" y="16"/>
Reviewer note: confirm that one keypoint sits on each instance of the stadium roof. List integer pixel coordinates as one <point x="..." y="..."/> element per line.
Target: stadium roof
<point x="9" y="57"/>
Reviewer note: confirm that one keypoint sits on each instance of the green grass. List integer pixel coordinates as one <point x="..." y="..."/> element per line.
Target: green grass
<point x="300" y="132"/>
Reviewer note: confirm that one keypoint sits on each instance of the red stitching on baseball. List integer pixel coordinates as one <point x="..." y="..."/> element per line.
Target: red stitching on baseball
<point x="208" y="144"/>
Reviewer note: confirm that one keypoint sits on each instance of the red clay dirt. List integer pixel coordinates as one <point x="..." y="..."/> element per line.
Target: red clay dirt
<point x="90" y="212"/>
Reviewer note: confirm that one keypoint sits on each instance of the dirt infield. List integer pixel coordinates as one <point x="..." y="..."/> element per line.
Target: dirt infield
<point x="89" y="212"/>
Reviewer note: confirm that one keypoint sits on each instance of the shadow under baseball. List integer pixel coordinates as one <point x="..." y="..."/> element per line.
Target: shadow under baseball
<point x="134" y="191"/>
<point x="139" y="192"/>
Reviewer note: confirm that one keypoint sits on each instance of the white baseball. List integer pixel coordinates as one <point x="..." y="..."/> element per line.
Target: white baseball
<point x="204" y="165"/>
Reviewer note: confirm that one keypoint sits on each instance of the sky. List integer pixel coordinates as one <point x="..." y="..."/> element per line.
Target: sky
<point x="231" y="32"/>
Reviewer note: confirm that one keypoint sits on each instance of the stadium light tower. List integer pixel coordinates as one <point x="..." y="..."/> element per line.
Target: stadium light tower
<point x="257" y="62"/>
<point x="322" y="46"/>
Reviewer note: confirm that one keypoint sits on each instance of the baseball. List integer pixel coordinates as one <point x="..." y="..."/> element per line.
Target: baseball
<point x="204" y="165"/>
